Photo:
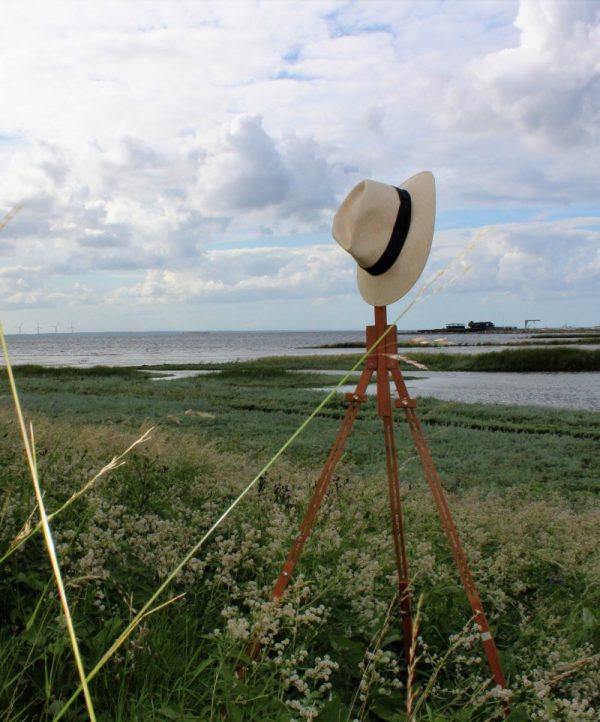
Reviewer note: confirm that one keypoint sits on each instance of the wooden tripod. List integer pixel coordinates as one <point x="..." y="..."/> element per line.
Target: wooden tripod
<point x="383" y="360"/>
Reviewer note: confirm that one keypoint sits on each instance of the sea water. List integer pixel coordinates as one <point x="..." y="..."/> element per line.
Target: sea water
<point x="138" y="349"/>
<point x="565" y="390"/>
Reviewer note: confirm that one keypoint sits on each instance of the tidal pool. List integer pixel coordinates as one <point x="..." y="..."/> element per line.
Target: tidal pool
<point x="560" y="390"/>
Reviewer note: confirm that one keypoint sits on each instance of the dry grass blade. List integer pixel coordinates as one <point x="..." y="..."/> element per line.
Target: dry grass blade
<point x="412" y="661"/>
<point x="163" y="605"/>
<point x="435" y="285"/>
<point x="464" y="268"/>
<point x="413" y="717"/>
<point x="366" y="680"/>
<point x="9" y="216"/>
<point x="409" y="361"/>
<point x="28" y="531"/>
<point x="573" y="667"/>
<point x="194" y="550"/>
<point x="29" y="445"/>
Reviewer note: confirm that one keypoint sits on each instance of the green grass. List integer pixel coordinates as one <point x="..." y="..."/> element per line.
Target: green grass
<point x="520" y="360"/>
<point x="523" y="486"/>
<point x="548" y="340"/>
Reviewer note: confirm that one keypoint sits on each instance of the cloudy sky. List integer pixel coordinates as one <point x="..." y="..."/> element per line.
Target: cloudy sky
<point x="177" y="165"/>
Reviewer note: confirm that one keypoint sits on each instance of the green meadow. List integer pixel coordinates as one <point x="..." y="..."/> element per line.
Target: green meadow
<point x="522" y="484"/>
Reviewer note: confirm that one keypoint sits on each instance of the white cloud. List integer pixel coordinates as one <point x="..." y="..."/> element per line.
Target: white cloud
<point x="246" y="172"/>
<point x="26" y="287"/>
<point x="247" y="275"/>
<point x="134" y="206"/>
<point x="547" y="87"/>
<point x="533" y="259"/>
<point x="250" y="171"/>
<point x="144" y="139"/>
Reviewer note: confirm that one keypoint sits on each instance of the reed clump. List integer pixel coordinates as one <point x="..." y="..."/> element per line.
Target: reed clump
<point x="523" y="360"/>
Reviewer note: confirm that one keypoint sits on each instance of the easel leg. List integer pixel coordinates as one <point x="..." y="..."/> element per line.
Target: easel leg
<point x="386" y="346"/>
<point x="460" y="559"/>
<point x="354" y="401"/>
<point x="398" y="535"/>
<point x="316" y="500"/>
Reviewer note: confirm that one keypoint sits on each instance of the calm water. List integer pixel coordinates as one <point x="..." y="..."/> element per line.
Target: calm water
<point x="137" y="349"/>
<point x="564" y="390"/>
<point x="581" y="390"/>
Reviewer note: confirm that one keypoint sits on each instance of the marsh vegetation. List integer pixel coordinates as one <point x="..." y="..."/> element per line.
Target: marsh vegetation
<point x="522" y="484"/>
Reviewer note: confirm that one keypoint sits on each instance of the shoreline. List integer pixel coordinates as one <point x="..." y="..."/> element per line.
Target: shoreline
<point x="566" y="378"/>
<point x="553" y="359"/>
<point x="174" y="349"/>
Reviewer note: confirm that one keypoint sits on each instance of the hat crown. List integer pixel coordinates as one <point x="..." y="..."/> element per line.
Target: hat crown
<point x="368" y="225"/>
<point x="363" y="222"/>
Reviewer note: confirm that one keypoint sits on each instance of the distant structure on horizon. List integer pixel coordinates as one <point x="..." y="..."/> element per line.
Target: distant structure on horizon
<point x="531" y="321"/>
<point x="481" y="325"/>
<point x="471" y="326"/>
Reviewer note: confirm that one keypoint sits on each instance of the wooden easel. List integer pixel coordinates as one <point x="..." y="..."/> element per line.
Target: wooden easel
<point x="383" y="361"/>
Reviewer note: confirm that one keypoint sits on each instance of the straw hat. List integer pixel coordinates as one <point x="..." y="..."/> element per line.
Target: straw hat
<point x="388" y="231"/>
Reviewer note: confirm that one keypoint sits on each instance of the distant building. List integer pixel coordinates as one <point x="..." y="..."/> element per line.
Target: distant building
<point x="455" y="327"/>
<point x="480" y="325"/>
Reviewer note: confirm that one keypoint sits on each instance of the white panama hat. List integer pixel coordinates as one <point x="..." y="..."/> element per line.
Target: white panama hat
<point x="388" y="231"/>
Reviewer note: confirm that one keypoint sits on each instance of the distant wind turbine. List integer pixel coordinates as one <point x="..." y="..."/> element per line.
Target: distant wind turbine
<point x="38" y="328"/>
<point x="20" y="327"/>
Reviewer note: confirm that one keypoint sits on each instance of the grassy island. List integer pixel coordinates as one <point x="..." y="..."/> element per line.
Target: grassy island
<point x="522" y="484"/>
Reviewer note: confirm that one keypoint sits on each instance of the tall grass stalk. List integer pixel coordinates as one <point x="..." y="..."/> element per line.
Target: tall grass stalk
<point x="147" y="607"/>
<point x="570" y="669"/>
<point x="193" y="551"/>
<point x="420" y="701"/>
<point x="549" y="643"/>
<point x="29" y="445"/>
<point x="464" y="268"/>
<point x="9" y="216"/>
<point x="374" y="646"/>
<point x="28" y="531"/>
<point x="413" y="658"/>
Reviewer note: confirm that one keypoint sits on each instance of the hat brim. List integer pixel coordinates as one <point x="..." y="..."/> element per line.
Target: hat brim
<point x="402" y="276"/>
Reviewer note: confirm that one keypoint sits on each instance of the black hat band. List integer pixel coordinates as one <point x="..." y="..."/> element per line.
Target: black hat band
<point x="397" y="239"/>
